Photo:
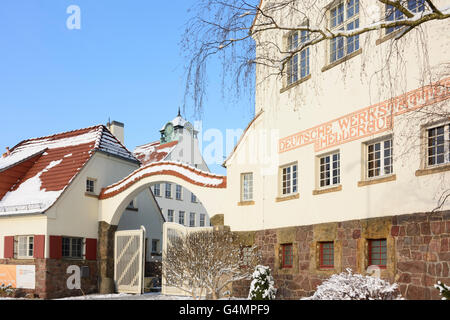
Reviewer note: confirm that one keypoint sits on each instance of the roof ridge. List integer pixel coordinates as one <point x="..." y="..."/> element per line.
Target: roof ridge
<point x="54" y="135"/>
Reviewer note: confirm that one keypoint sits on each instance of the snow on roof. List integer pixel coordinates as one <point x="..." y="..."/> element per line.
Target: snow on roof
<point x="179" y="169"/>
<point x="154" y="152"/>
<point x="38" y="170"/>
<point x="177" y="121"/>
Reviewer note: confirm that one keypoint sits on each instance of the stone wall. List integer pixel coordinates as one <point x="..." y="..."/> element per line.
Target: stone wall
<point x="417" y="253"/>
<point x="51" y="278"/>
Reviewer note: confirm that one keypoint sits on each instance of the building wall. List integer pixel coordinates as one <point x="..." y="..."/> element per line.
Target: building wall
<point x="418" y="253"/>
<point x="327" y="96"/>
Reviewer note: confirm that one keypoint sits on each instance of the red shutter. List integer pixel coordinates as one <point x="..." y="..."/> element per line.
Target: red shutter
<point x="9" y="247"/>
<point x="91" y="249"/>
<point x="55" y="247"/>
<point x="39" y="246"/>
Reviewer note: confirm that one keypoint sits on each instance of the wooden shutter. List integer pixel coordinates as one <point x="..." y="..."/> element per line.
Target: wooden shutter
<point x="39" y="247"/>
<point x="9" y="247"/>
<point x="91" y="249"/>
<point x="55" y="247"/>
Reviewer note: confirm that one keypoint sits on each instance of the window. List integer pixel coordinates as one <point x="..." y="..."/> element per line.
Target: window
<point x="90" y="185"/>
<point x="326" y="257"/>
<point x="330" y="170"/>
<point x="438" y="147"/>
<point x="378" y="253"/>
<point x="155" y="243"/>
<point x="193" y="198"/>
<point x="178" y="192"/>
<point x="168" y="190"/>
<point x="157" y="190"/>
<point x="289" y="179"/>
<point x="287" y="255"/>
<point x="72" y="247"/>
<point x="300" y="60"/>
<point x="379" y="158"/>
<point x="393" y="14"/>
<point x="202" y="220"/>
<point x="132" y="204"/>
<point x="192" y="219"/>
<point x="181" y="217"/>
<point x="247" y="186"/>
<point x="25" y="247"/>
<point x="344" y="16"/>
<point x="170" y="215"/>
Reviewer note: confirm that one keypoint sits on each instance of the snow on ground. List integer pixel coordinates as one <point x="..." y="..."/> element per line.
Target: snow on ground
<point x="125" y="296"/>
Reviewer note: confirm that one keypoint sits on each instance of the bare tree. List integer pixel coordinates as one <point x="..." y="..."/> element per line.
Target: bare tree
<point x="206" y="262"/>
<point x="235" y="31"/>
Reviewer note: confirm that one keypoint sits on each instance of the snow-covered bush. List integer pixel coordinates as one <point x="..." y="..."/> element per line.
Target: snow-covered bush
<point x="262" y="287"/>
<point x="444" y="290"/>
<point x="349" y="286"/>
<point x="6" y="290"/>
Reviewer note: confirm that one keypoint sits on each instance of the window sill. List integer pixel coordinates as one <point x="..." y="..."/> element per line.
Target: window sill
<point x="327" y="190"/>
<point x="286" y="198"/>
<point x="387" y="37"/>
<point x="132" y="209"/>
<point x="296" y="83"/>
<point x="338" y="62"/>
<point x="364" y="183"/>
<point x="432" y="170"/>
<point x="246" y="203"/>
<point x="90" y="194"/>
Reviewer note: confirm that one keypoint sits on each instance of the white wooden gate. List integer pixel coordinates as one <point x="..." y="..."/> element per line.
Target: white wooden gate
<point x="129" y="260"/>
<point x="171" y="231"/>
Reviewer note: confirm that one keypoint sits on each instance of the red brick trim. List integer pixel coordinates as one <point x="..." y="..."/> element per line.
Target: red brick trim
<point x="131" y="181"/>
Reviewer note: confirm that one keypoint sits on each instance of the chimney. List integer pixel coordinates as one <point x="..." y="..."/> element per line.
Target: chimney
<point x="117" y="129"/>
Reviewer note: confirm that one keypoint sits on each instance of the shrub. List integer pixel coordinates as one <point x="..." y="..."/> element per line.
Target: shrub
<point x="6" y="290"/>
<point x="261" y="287"/>
<point x="444" y="290"/>
<point x="349" y="286"/>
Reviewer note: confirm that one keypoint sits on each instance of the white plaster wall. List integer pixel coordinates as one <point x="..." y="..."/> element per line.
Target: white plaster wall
<point x="327" y="96"/>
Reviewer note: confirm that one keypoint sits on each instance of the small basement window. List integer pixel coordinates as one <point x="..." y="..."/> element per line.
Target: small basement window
<point x="326" y="257"/>
<point x="287" y="255"/>
<point x="378" y="253"/>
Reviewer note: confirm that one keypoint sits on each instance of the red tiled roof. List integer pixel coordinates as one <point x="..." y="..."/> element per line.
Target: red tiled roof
<point x="40" y="180"/>
<point x="153" y="151"/>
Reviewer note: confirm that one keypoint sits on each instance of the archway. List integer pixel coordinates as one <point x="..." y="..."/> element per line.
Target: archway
<point x="114" y="199"/>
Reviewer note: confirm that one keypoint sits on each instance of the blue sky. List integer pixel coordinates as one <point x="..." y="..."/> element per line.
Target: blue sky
<point x="125" y="63"/>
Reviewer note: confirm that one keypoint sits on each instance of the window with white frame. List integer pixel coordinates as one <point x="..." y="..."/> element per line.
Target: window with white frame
<point x="155" y="245"/>
<point x="157" y="190"/>
<point x="170" y="215"/>
<point x="246" y="186"/>
<point x="178" y="192"/>
<point x="379" y="158"/>
<point x="90" y="185"/>
<point x="393" y="14"/>
<point x="329" y="170"/>
<point x="181" y="217"/>
<point x="25" y="247"/>
<point x="438" y="144"/>
<point x="289" y="179"/>
<point x="298" y="64"/>
<point x="202" y="219"/>
<point x="168" y="190"/>
<point x="72" y="247"/>
<point x="192" y="219"/>
<point x="344" y="16"/>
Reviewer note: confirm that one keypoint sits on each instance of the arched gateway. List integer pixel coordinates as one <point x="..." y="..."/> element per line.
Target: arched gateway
<point x="114" y="199"/>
